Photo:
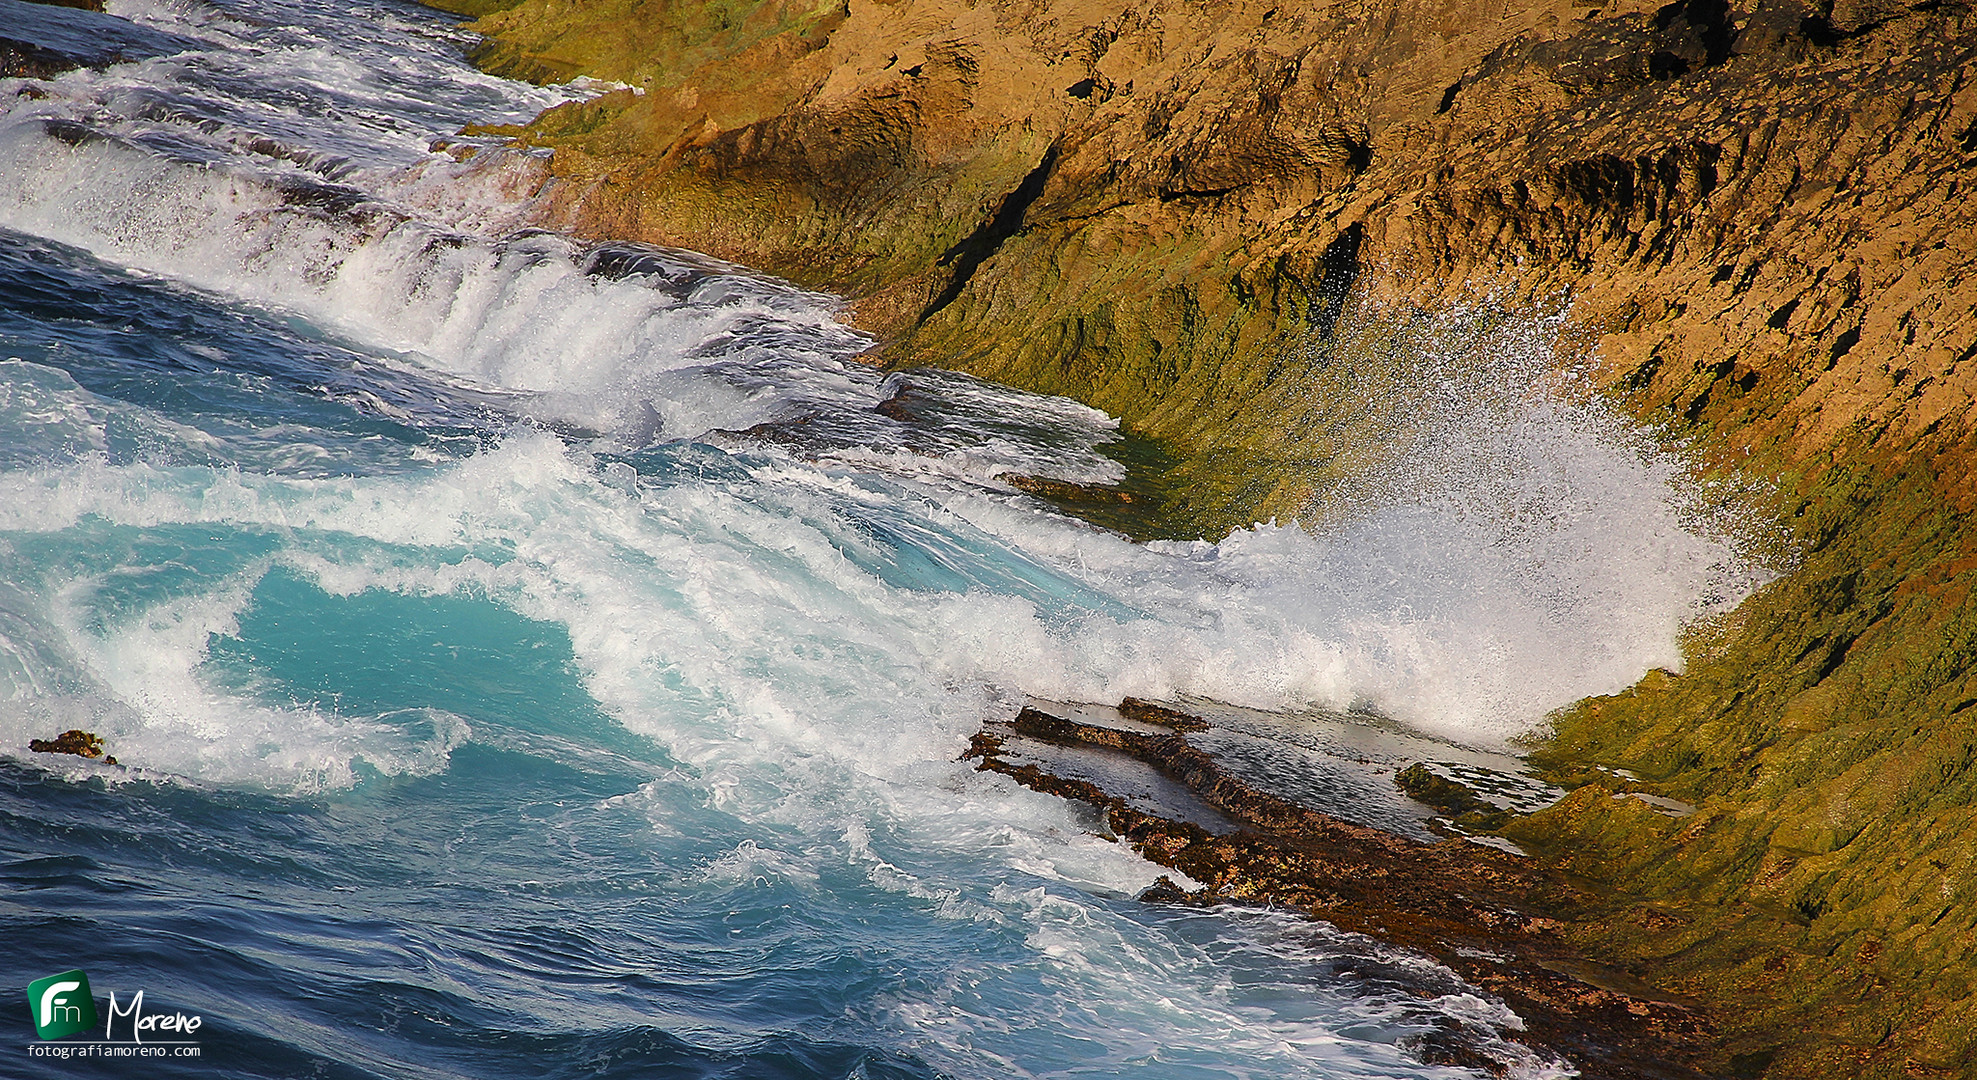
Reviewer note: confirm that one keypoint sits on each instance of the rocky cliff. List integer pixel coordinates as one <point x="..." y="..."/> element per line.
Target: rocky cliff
<point x="1756" y="215"/>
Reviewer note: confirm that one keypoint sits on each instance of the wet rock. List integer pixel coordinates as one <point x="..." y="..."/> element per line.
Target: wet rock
<point x="40" y="40"/>
<point x="1452" y="797"/>
<point x="1490" y="917"/>
<point x="19" y="60"/>
<point x="1163" y="891"/>
<point x="74" y="741"/>
<point x="1065" y="491"/>
<point x="897" y="405"/>
<point x="1447" y="1045"/>
<point x="1148" y="712"/>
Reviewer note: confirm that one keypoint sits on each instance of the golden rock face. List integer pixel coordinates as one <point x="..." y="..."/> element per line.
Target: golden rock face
<point x="1757" y="216"/>
<point x="1153" y="206"/>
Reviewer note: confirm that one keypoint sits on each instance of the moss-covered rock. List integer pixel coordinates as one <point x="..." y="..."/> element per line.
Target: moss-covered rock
<point x="1828" y="735"/>
<point x="1452" y="797"/>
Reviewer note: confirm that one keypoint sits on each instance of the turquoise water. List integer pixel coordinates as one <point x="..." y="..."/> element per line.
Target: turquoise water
<point x="529" y="658"/>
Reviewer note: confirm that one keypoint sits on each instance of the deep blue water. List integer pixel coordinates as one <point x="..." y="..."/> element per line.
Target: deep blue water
<point x="530" y="659"/>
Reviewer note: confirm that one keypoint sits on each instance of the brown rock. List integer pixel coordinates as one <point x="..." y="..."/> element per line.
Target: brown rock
<point x="76" y="741"/>
<point x="1148" y="712"/>
<point x="1757" y="209"/>
<point x="1064" y="491"/>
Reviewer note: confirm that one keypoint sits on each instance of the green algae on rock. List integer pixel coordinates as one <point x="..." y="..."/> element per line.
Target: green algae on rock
<point x="1826" y="738"/>
<point x="1451" y="797"/>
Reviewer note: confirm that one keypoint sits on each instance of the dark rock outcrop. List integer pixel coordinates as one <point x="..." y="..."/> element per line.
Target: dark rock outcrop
<point x="75" y="741"/>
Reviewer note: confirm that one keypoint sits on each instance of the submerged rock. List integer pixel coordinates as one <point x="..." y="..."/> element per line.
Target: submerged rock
<point x="74" y="741"/>
<point x="1064" y="491"/>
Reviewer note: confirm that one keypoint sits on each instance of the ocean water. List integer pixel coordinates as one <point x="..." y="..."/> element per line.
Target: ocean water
<point x="529" y="658"/>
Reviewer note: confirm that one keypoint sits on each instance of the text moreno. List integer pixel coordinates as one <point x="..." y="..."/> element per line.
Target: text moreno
<point x="140" y="1024"/>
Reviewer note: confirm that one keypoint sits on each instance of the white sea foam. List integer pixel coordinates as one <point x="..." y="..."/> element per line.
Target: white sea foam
<point x="769" y="637"/>
<point x="165" y="169"/>
<point x="519" y="314"/>
<point x="44" y="416"/>
<point x="138" y="684"/>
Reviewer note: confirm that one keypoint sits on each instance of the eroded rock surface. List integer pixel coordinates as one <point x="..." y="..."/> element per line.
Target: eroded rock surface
<point x="1155" y="206"/>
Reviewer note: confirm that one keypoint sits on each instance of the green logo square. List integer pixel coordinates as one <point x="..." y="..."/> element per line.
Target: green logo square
<point x="61" y="1005"/>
